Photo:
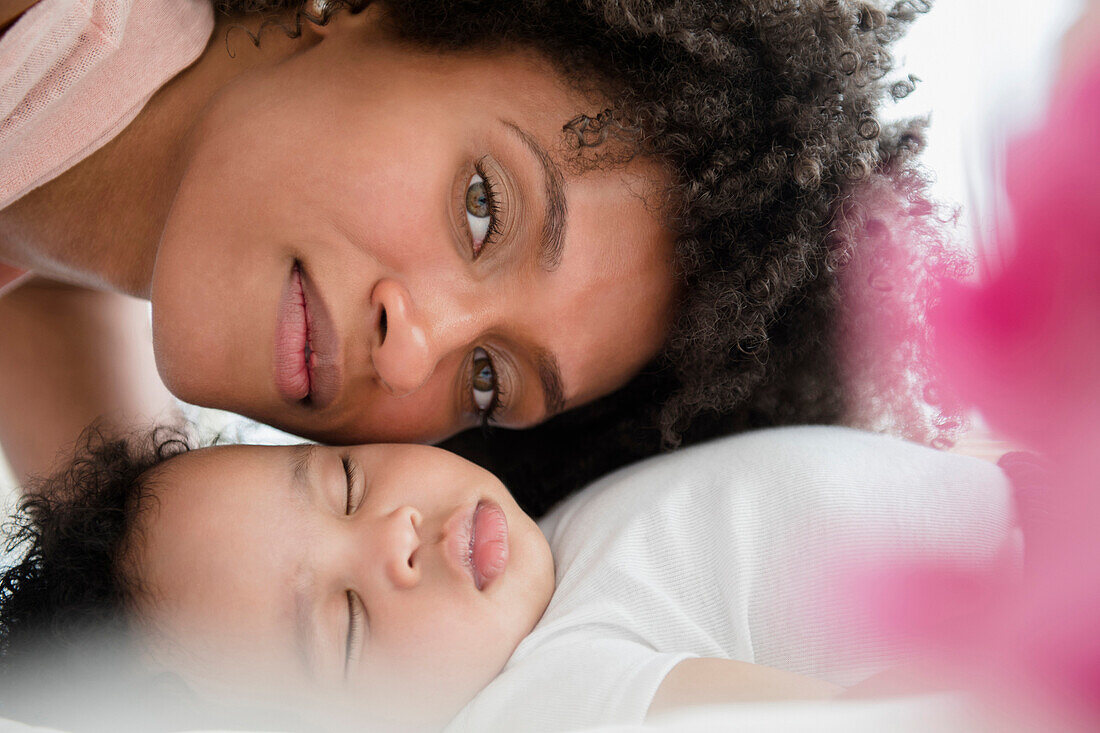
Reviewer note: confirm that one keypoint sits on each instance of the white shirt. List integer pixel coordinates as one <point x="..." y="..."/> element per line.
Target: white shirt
<point x="735" y="549"/>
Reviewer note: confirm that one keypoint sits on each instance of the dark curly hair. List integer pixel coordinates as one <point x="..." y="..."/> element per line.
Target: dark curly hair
<point x="70" y="531"/>
<point x="67" y="652"/>
<point x="767" y="115"/>
<point x="63" y="620"/>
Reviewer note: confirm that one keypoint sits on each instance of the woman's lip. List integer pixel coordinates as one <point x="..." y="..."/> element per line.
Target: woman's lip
<point x="324" y="346"/>
<point x="307" y="365"/>
<point x="291" y="340"/>
<point x="477" y="542"/>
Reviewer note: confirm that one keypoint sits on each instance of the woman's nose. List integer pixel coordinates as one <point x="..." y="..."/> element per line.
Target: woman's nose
<point x="402" y="353"/>
<point x="398" y="543"/>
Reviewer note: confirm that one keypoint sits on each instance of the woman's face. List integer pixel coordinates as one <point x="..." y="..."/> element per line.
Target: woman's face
<point x="394" y="579"/>
<point x="372" y="242"/>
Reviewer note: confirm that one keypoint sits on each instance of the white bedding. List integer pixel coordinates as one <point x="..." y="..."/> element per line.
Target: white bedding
<point x="914" y="714"/>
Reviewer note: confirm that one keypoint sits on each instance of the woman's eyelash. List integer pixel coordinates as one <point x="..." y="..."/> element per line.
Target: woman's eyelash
<point x="489" y="414"/>
<point x="493" y="232"/>
<point x="482" y="360"/>
<point x="353" y="643"/>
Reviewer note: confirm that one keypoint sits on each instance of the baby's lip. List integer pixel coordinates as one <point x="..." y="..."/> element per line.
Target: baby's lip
<point x="476" y="538"/>
<point x="490" y="543"/>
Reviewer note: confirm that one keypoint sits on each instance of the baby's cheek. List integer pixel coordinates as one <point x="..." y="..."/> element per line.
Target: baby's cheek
<point x="431" y="675"/>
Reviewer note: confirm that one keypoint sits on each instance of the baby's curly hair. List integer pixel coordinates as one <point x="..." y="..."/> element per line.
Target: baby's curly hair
<point x="70" y="657"/>
<point x="767" y="115"/>
<point x="64" y="602"/>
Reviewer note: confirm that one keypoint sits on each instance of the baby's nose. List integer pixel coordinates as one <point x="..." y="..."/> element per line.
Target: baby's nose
<point x="401" y="541"/>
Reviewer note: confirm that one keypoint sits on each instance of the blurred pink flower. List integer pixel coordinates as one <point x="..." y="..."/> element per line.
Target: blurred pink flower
<point x="1024" y="349"/>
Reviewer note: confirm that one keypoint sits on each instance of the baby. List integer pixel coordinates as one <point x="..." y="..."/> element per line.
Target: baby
<point x="402" y="585"/>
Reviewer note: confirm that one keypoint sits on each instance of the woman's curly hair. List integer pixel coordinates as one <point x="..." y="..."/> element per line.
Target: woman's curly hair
<point x="767" y="115"/>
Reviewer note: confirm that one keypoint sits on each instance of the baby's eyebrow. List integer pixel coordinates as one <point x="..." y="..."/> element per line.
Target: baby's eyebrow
<point x="301" y="463"/>
<point x="306" y="638"/>
<point x="305" y="633"/>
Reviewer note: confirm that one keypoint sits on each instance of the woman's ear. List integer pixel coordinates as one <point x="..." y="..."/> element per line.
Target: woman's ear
<point x="323" y="18"/>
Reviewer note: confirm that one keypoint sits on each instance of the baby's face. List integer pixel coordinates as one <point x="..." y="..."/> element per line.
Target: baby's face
<point x="391" y="579"/>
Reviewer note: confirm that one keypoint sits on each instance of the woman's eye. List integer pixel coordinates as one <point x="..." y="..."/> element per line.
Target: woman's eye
<point x="481" y="211"/>
<point x="355" y="486"/>
<point x="484" y="383"/>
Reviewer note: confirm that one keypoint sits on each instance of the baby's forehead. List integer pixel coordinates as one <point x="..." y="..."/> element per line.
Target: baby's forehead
<point x="212" y="462"/>
<point x="209" y="462"/>
<point x="211" y="494"/>
<point x="218" y="521"/>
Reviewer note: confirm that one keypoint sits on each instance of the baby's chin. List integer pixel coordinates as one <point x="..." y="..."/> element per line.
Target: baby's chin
<point x="412" y="708"/>
<point x="415" y="700"/>
<point x="424" y="696"/>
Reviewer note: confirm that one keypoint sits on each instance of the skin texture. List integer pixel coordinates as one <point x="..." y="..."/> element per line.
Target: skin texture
<point x="70" y="355"/>
<point x="243" y="540"/>
<point x="376" y="218"/>
<point x="10" y="277"/>
<point x="246" y="555"/>
<point x="351" y="153"/>
<point x="710" y="681"/>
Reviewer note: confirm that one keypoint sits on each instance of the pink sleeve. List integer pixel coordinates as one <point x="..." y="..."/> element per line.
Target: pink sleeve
<point x="74" y="73"/>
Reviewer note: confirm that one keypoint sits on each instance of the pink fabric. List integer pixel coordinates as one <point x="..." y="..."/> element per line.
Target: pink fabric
<point x="74" y="73"/>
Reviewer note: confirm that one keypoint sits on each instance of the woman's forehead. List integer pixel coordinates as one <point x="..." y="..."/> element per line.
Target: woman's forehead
<point x="515" y="82"/>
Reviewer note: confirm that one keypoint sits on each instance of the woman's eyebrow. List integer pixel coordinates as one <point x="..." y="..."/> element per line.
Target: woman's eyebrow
<point x="551" y="247"/>
<point x="552" y="239"/>
<point x="553" y="393"/>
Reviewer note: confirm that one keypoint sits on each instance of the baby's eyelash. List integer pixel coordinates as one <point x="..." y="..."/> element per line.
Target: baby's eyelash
<point x="349" y="473"/>
<point x="355" y="625"/>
